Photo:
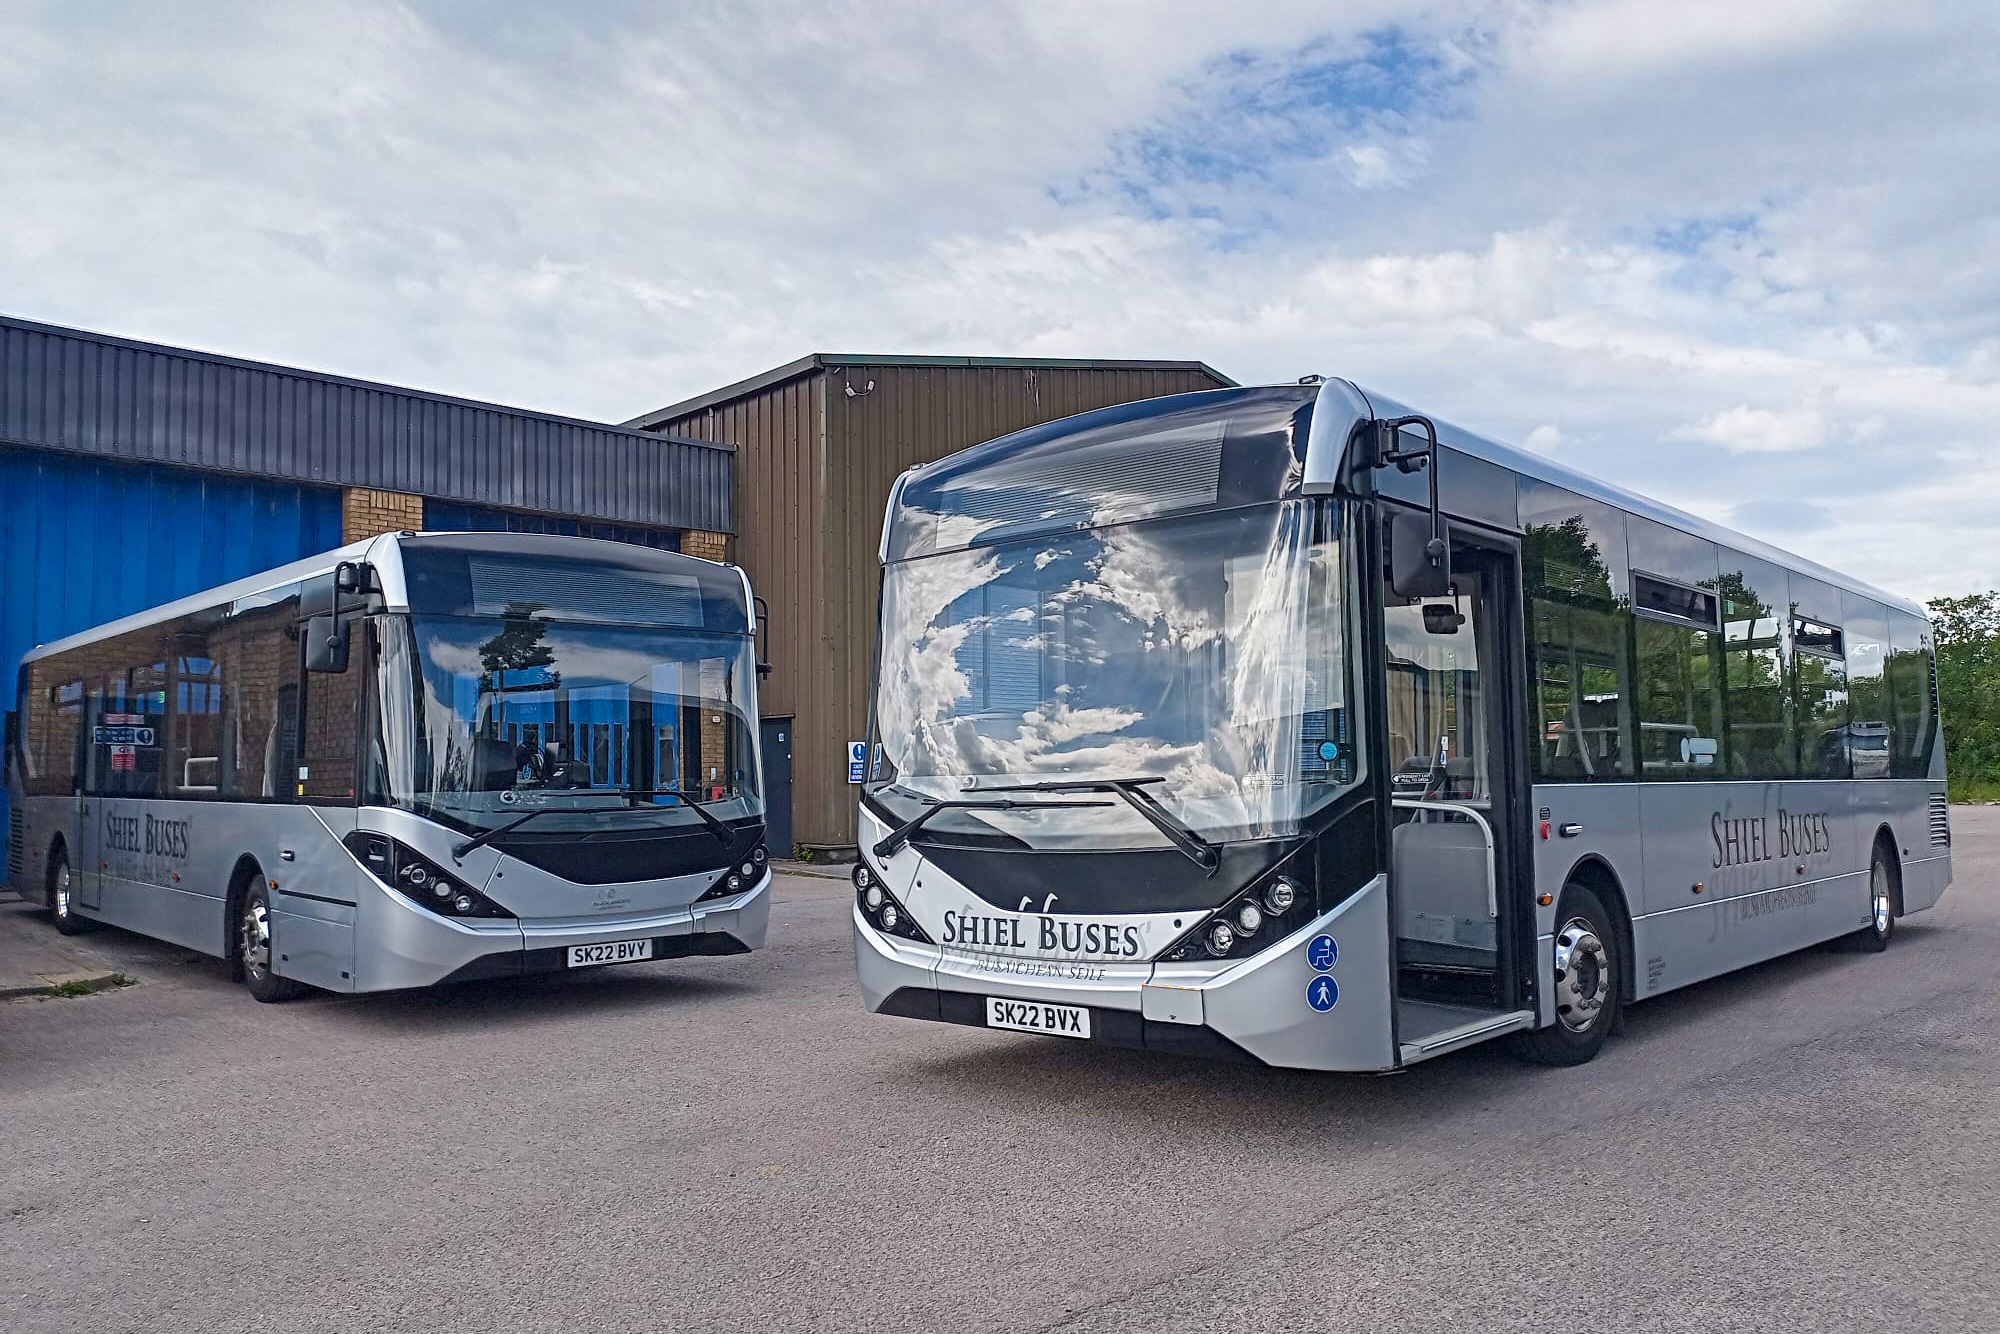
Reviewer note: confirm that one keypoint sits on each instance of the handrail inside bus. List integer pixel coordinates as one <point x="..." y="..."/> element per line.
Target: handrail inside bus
<point x="1485" y="830"/>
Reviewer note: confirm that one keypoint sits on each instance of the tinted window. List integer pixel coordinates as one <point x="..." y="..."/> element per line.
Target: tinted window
<point x="1909" y="677"/>
<point x="1869" y="736"/>
<point x="1819" y="678"/>
<point x="255" y="652"/>
<point x="1679" y="660"/>
<point x="1573" y="559"/>
<point x="1756" y="705"/>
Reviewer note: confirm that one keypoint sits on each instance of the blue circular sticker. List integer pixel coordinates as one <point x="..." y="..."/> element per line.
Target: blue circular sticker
<point x="1322" y="952"/>
<point x="1322" y="993"/>
<point x="1329" y="751"/>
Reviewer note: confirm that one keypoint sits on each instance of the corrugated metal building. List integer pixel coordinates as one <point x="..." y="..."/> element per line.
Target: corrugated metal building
<point x="132" y="474"/>
<point x="818" y="443"/>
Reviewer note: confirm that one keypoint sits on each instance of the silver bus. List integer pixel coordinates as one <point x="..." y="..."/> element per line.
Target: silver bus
<point x="1287" y="725"/>
<point x="417" y="759"/>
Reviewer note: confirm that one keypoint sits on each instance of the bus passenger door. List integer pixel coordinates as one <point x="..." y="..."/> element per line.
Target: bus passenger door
<point x="1457" y="778"/>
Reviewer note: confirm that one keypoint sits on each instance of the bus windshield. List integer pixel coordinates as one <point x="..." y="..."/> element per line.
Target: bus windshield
<point x="1203" y="652"/>
<point x="482" y="719"/>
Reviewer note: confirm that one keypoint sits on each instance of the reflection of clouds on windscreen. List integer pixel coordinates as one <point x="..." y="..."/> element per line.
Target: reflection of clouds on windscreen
<point x="460" y="657"/>
<point x="1163" y="655"/>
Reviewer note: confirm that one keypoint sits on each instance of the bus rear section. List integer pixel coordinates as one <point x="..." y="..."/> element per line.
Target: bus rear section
<point x="426" y="758"/>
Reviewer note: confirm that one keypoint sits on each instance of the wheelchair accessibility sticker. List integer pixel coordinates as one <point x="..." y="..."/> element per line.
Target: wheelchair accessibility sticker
<point x="1322" y="952"/>
<point x="1323" y="993"/>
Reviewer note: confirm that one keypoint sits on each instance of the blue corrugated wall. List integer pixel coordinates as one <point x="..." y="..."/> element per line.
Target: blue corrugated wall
<point x="83" y="542"/>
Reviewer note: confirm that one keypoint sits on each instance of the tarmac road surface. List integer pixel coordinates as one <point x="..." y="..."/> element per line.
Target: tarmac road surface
<point x="732" y="1144"/>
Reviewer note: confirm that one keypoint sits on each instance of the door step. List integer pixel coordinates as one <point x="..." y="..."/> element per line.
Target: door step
<point x="1485" y="1027"/>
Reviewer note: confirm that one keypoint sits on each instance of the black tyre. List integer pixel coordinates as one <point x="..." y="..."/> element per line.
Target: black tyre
<point x="62" y="896"/>
<point x="1885" y="891"/>
<point x="1589" y="982"/>
<point x="253" y="947"/>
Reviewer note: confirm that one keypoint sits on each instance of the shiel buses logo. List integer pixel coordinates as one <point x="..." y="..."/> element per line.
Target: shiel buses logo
<point x="1752" y="838"/>
<point x="147" y="835"/>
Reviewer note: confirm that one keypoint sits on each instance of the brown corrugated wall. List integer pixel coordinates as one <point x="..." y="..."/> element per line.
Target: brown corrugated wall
<point x="814" y="467"/>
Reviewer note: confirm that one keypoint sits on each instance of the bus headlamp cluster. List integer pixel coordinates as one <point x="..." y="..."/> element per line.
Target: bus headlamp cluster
<point x="419" y="879"/>
<point x="879" y="906"/>
<point x="1266" y="912"/>
<point x="740" y="876"/>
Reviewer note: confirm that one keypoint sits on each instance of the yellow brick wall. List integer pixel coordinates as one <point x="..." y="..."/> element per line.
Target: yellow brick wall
<point x="366" y="513"/>
<point x="708" y="546"/>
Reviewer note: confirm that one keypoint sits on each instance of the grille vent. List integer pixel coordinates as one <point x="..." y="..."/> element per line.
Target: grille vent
<point x="17" y="849"/>
<point x="1940" y="821"/>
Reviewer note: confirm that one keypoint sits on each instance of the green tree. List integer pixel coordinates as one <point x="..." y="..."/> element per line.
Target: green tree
<point x="1967" y="632"/>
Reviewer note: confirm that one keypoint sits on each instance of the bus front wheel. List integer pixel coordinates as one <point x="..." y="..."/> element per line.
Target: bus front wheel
<point x="1589" y="977"/>
<point x="253" y="948"/>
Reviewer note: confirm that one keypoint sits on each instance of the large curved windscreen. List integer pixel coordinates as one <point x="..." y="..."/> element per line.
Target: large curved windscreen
<point x="1201" y="655"/>
<point x="483" y="719"/>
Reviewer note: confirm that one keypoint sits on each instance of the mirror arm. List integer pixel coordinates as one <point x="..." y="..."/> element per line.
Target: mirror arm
<point x="1409" y="460"/>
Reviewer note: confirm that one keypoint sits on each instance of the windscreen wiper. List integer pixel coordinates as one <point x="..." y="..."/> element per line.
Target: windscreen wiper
<point x="1178" y="832"/>
<point x="900" y="835"/>
<point x="722" y="832"/>
<point x="485" y="836"/>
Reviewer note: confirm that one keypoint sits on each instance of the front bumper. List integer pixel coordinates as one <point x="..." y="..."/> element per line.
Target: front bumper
<point x="1257" y="1010"/>
<point x="437" y="950"/>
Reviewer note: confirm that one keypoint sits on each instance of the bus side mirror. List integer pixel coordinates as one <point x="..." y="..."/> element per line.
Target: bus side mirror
<point x="1419" y="564"/>
<point x="326" y="644"/>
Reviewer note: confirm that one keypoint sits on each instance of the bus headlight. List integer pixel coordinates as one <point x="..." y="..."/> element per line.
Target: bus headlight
<point x="747" y="870"/>
<point x="418" y="879"/>
<point x="879" y="906"/>
<point x="1280" y="896"/>
<point x="1259" y="916"/>
<point x="759" y="855"/>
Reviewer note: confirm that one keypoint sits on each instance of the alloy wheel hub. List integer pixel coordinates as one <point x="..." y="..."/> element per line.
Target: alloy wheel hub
<point x="1583" y="975"/>
<point x="256" y="938"/>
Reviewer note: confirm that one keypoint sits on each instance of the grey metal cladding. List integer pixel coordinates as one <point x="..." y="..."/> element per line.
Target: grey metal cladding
<point x="89" y="393"/>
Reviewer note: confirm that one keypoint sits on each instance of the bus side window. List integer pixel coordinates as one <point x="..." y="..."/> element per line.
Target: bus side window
<point x="1574" y="569"/>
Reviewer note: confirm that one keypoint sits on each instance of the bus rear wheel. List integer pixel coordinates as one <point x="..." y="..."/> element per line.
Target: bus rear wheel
<point x="1589" y="975"/>
<point x="1883" y="891"/>
<point x="253" y="948"/>
<point x="62" y="896"/>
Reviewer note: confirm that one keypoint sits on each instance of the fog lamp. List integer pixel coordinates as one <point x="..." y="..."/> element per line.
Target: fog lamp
<point x="1220" y="939"/>
<point x="890" y="917"/>
<point x="872" y="896"/>
<point x="735" y="882"/>
<point x="1248" y="918"/>
<point x="463" y="903"/>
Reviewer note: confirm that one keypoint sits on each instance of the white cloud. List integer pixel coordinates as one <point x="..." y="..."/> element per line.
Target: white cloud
<point x="1748" y="430"/>
<point x="1733" y="250"/>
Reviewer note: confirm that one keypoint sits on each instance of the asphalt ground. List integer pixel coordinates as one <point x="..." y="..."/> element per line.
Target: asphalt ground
<point x="732" y="1144"/>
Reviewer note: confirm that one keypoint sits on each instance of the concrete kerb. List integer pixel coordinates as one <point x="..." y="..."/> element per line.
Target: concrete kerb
<point x="37" y="961"/>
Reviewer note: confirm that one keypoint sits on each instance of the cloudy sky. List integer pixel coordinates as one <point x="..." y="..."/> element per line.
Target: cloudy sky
<point x="1740" y="254"/>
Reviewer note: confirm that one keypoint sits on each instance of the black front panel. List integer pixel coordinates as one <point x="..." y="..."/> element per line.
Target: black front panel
<point x="611" y="856"/>
<point x="1142" y="880"/>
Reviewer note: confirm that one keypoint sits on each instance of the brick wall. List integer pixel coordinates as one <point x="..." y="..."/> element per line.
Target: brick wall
<point x="708" y="546"/>
<point x="366" y="513"/>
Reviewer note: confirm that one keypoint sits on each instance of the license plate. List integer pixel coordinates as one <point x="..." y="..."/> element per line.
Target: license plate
<point x="1065" y="1021"/>
<point x="610" y="951"/>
